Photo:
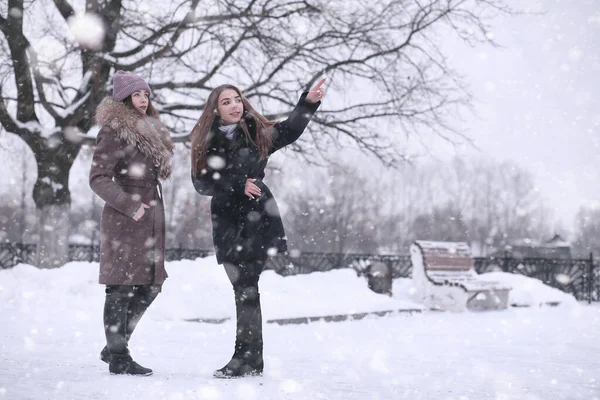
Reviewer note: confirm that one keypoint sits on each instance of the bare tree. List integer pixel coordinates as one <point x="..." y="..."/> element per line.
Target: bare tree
<point x="15" y="195"/>
<point x="187" y="213"/>
<point x="587" y="231"/>
<point x="481" y="201"/>
<point x="338" y="212"/>
<point x="500" y="202"/>
<point x="9" y="211"/>
<point x="443" y="224"/>
<point x="383" y="55"/>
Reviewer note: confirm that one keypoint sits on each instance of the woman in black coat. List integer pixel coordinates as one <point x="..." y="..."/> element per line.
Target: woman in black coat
<point x="231" y="144"/>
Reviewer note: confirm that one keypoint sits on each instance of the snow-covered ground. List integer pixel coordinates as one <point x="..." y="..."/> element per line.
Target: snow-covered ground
<point x="52" y="333"/>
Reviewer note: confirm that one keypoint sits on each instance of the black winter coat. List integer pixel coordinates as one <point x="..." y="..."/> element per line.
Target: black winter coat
<point x="246" y="229"/>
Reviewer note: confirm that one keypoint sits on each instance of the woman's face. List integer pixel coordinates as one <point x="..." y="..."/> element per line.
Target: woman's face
<point x="230" y="107"/>
<point x="139" y="100"/>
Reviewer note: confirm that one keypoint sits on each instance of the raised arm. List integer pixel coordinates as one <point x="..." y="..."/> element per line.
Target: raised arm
<point x="290" y="129"/>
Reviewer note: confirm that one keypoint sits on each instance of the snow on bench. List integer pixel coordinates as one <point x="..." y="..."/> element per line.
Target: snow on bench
<point x="444" y="275"/>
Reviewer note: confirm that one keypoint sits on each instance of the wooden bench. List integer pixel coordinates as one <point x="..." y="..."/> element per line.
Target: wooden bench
<point x="445" y="278"/>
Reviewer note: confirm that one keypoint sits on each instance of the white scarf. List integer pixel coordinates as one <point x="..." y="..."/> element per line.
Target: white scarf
<point x="228" y="130"/>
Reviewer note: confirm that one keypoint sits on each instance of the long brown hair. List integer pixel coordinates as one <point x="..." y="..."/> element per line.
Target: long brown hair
<point x="200" y="135"/>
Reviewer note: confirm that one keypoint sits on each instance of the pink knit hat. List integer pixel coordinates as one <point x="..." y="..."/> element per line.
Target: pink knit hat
<point x="126" y="83"/>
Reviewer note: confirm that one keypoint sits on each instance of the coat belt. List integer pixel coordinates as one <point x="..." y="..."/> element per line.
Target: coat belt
<point x="138" y="182"/>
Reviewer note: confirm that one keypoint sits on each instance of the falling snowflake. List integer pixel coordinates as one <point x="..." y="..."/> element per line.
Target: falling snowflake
<point x="137" y="170"/>
<point x="15" y="12"/>
<point x="88" y="30"/>
<point x="563" y="279"/>
<point x="215" y="162"/>
<point x="271" y="208"/>
<point x="295" y="253"/>
<point x="253" y="216"/>
<point x="29" y="343"/>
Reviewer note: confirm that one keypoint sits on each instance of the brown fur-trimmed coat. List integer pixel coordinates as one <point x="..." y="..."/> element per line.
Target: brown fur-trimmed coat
<point x="132" y="152"/>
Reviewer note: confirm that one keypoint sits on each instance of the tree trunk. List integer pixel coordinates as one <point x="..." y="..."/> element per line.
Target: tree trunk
<point x="52" y="248"/>
<point x="23" y="195"/>
<point x="53" y="201"/>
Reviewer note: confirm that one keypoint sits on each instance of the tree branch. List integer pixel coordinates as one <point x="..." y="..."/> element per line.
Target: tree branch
<point x="170" y="44"/>
<point x="144" y="42"/>
<point x="39" y="79"/>
<point x="201" y="82"/>
<point x="6" y="120"/>
<point x="3" y="25"/>
<point x="65" y="9"/>
<point x="18" y="45"/>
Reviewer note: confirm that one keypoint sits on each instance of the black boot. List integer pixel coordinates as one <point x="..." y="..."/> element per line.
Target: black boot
<point x="123" y="364"/>
<point x="105" y="355"/>
<point x="138" y="304"/>
<point x="247" y="359"/>
<point x="117" y="313"/>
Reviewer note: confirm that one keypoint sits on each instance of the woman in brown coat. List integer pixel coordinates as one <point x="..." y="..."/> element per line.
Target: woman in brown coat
<point x="133" y="151"/>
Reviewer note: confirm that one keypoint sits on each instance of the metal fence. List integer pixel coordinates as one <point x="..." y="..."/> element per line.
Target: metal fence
<point x="580" y="277"/>
<point x="12" y="254"/>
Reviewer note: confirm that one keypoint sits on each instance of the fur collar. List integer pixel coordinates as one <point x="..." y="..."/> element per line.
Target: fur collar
<point x="147" y="134"/>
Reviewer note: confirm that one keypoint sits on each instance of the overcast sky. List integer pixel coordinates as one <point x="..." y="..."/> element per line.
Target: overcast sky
<point x="537" y="98"/>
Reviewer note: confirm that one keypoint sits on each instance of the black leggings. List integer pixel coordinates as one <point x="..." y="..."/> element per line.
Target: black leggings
<point x="244" y="279"/>
<point x="123" y="309"/>
<point x="244" y="274"/>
